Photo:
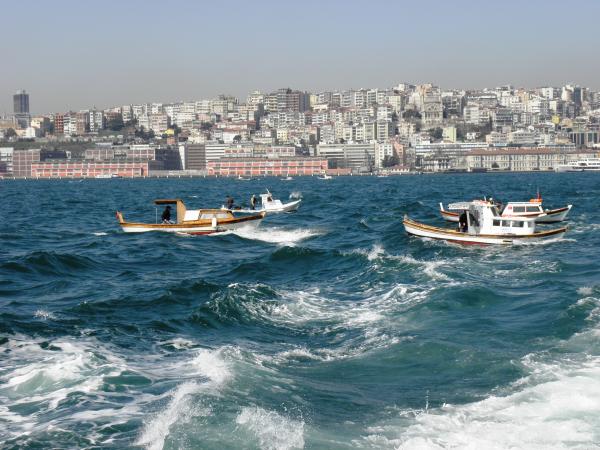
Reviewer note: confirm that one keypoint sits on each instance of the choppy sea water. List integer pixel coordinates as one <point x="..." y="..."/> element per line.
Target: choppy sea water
<point x="327" y="329"/>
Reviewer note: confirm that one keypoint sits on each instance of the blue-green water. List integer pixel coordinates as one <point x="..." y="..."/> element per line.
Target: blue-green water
<point x="327" y="329"/>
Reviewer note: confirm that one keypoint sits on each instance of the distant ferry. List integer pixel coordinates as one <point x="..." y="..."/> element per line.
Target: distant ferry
<point x="582" y="165"/>
<point x="107" y="175"/>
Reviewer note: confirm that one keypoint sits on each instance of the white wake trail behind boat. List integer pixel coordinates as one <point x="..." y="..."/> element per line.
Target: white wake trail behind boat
<point x="556" y="406"/>
<point x="277" y="235"/>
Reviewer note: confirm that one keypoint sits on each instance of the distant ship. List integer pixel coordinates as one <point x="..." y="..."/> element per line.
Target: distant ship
<point x="582" y="165"/>
<point x="108" y="175"/>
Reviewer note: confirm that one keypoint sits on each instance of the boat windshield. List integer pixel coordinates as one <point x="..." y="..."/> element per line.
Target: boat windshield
<point x="495" y="211"/>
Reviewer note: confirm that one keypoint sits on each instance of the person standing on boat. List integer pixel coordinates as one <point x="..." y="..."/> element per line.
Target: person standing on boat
<point x="462" y="222"/>
<point x="229" y="202"/>
<point x="253" y="201"/>
<point x="166" y="215"/>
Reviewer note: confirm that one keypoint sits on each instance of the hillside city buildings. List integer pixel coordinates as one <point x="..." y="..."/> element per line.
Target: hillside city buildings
<point x="290" y="132"/>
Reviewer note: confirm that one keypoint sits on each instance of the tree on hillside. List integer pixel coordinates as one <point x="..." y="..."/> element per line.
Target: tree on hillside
<point x="115" y="124"/>
<point x="142" y="133"/>
<point x="389" y="161"/>
<point x="436" y="133"/>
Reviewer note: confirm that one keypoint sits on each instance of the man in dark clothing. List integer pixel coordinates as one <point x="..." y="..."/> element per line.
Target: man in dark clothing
<point x="462" y="222"/>
<point x="229" y="202"/>
<point x="253" y="201"/>
<point x="166" y="215"/>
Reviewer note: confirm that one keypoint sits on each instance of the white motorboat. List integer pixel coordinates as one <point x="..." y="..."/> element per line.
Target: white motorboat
<point x="269" y="205"/>
<point x="107" y="176"/>
<point x="325" y="177"/>
<point x="193" y="221"/>
<point x="582" y="165"/>
<point x="484" y="226"/>
<point x="532" y="208"/>
<point x="288" y="178"/>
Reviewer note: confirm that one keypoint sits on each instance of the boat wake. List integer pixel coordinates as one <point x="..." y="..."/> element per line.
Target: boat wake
<point x="277" y="235"/>
<point x="271" y="430"/>
<point x="556" y="406"/>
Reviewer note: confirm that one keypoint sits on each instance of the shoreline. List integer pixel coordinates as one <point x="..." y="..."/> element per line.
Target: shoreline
<point x="374" y="175"/>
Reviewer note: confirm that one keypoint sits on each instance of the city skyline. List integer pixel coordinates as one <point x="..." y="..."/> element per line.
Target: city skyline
<point x="143" y="52"/>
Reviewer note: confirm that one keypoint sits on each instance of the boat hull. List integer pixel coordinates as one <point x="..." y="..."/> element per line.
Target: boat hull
<point x="449" y="235"/>
<point x="554" y="215"/>
<point x="199" y="227"/>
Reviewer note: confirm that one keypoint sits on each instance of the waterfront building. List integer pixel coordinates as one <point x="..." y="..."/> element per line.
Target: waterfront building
<point x="360" y="157"/>
<point x="383" y="149"/>
<point x="87" y="169"/>
<point x="449" y="134"/>
<point x="22" y="161"/>
<point x="523" y="159"/>
<point x="260" y="167"/>
<point x="195" y="157"/>
<point x="6" y="160"/>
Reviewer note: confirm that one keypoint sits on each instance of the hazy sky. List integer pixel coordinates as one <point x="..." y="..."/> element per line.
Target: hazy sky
<point x="76" y="54"/>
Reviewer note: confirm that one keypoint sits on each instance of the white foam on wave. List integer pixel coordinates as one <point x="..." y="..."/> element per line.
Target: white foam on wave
<point x="43" y="314"/>
<point x="375" y="252"/>
<point x="178" y="410"/>
<point x="561" y="413"/>
<point x="213" y="370"/>
<point x="585" y="290"/>
<point x="180" y="343"/>
<point x="557" y="406"/>
<point x="276" y="235"/>
<point x="375" y="318"/>
<point x="43" y="375"/>
<point x="549" y="241"/>
<point x="100" y="233"/>
<point x="296" y="195"/>
<point x="31" y="374"/>
<point x="429" y="267"/>
<point x="272" y="430"/>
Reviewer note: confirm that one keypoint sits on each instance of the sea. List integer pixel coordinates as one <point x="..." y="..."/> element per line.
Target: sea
<point x="329" y="328"/>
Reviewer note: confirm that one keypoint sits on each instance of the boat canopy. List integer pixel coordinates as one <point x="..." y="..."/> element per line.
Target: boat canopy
<point x="168" y="201"/>
<point x="176" y="201"/>
<point x="459" y="205"/>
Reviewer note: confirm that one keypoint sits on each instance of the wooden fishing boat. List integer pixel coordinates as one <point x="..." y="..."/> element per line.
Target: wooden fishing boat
<point x="483" y="225"/>
<point x="193" y="221"/>
<point x="532" y="208"/>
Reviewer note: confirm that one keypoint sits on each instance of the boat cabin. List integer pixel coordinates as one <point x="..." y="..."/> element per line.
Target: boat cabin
<point x="483" y="217"/>
<point x="531" y="208"/>
<point x="194" y="215"/>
